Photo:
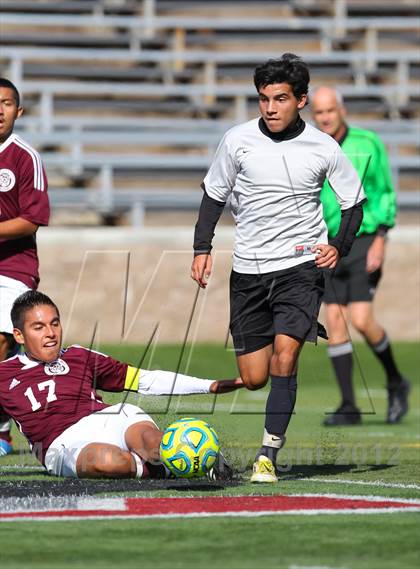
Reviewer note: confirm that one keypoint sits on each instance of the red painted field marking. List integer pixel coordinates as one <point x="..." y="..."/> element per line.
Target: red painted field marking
<point x="213" y="506"/>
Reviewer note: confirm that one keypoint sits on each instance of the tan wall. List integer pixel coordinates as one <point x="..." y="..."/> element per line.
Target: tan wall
<point x="85" y="272"/>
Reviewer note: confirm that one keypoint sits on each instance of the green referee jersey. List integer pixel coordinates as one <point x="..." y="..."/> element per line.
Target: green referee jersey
<point x="369" y="157"/>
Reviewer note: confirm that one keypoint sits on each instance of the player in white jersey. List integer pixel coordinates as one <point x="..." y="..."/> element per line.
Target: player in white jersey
<point x="271" y="170"/>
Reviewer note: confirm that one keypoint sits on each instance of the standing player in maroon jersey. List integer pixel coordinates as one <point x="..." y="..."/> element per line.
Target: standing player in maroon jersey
<point x="24" y="207"/>
<point x="51" y="395"/>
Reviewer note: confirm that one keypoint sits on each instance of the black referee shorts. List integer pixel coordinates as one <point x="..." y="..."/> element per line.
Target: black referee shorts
<point x="349" y="281"/>
<point x="281" y="302"/>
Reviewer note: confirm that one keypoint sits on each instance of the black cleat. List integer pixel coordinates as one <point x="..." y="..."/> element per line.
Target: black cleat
<point x="398" y="402"/>
<point x="220" y="470"/>
<point x="344" y="416"/>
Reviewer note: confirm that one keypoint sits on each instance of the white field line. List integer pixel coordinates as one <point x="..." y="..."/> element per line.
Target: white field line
<point x="313" y="567"/>
<point x="372" y="498"/>
<point x="21" y="467"/>
<point x="377" y="393"/>
<point x="376" y="483"/>
<point x="246" y="514"/>
<point x="43" y="504"/>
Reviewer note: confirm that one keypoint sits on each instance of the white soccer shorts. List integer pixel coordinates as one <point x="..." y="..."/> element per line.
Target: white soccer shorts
<point x="10" y="289"/>
<point x="106" y="426"/>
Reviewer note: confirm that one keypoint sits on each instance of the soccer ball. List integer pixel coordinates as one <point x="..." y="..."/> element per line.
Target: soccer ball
<point x="189" y="447"/>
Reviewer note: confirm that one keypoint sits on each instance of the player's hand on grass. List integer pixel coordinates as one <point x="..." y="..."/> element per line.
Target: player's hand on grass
<point x="201" y="269"/>
<point x="226" y="385"/>
<point x="326" y="256"/>
<point x="376" y="254"/>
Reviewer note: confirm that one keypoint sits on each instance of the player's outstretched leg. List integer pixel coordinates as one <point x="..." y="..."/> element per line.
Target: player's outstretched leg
<point x="143" y="440"/>
<point x="101" y="460"/>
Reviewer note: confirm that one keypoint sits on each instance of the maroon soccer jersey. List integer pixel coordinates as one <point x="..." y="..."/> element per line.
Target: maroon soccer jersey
<point x="46" y="399"/>
<point x="23" y="193"/>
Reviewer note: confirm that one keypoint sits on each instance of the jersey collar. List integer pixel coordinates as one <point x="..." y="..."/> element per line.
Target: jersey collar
<point x="28" y="362"/>
<point x="291" y="131"/>
<point x="343" y="137"/>
<point x="7" y="142"/>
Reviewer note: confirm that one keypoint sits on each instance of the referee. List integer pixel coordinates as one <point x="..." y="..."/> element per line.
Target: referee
<point x="271" y="169"/>
<point x="350" y="288"/>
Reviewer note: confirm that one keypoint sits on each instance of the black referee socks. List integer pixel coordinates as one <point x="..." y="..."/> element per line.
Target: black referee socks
<point x="342" y="360"/>
<point x="278" y="412"/>
<point x="383" y="352"/>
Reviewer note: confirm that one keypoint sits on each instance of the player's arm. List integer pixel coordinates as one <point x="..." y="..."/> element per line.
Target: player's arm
<point x="34" y="207"/>
<point x="384" y="204"/>
<point x="217" y="186"/>
<point x="113" y="375"/>
<point x="209" y="215"/>
<point x="16" y="228"/>
<point x="157" y="382"/>
<point x="340" y="245"/>
<point x="348" y="188"/>
<point x="385" y="196"/>
<point x="351" y="220"/>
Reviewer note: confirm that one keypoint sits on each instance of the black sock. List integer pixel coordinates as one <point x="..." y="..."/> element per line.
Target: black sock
<point x="383" y="352"/>
<point x="278" y="412"/>
<point x="156" y="470"/>
<point x="342" y="360"/>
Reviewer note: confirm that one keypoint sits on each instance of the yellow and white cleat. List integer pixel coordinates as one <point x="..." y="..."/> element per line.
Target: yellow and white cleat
<point x="263" y="471"/>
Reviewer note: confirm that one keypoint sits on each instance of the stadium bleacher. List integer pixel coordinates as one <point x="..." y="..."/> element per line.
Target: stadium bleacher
<point x="127" y="100"/>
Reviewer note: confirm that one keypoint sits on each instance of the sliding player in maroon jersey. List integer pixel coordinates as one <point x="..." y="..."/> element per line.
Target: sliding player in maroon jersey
<point x="23" y="208"/>
<point x="50" y="392"/>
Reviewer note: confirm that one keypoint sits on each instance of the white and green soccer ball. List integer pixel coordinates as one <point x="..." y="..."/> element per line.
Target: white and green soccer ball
<point x="189" y="447"/>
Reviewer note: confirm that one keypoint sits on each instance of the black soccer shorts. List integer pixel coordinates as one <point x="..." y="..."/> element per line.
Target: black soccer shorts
<point x="349" y="281"/>
<point x="281" y="302"/>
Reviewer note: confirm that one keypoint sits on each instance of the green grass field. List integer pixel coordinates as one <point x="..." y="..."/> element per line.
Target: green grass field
<point x="371" y="459"/>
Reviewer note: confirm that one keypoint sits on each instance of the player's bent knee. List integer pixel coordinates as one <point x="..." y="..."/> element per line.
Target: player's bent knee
<point x="360" y="323"/>
<point x="284" y="363"/>
<point x="255" y="383"/>
<point x="152" y="438"/>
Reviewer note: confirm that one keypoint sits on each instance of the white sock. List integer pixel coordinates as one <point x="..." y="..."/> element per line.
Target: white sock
<point x="4" y="427"/>
<point x="139" y="465"/>
<point x="158" y="382"/>
<point x="274" y="441"/>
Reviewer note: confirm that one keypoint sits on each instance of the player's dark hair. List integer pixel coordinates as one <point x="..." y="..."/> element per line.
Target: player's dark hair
<point x="9" y="85"/>
<point x="289" y="69"/>
<point x="26" y="301"/>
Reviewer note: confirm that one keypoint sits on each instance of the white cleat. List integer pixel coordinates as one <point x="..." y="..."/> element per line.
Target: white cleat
<point x="263" y="471"/>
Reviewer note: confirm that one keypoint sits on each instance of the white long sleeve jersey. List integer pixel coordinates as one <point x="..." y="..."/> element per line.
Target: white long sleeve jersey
<point x="273" y="189"/>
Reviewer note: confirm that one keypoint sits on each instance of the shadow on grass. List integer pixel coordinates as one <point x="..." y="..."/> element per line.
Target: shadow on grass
<point x="16" y="473"/>
<point x="299" y="471"/>
<point x="75" y="487"/>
